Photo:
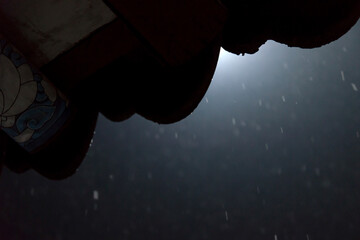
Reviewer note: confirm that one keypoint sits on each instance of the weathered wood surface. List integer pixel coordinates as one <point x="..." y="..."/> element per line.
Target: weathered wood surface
<point x="43" y="29"/>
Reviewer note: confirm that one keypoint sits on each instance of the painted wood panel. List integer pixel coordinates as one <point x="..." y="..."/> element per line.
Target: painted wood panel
<point x="49" y="27"/>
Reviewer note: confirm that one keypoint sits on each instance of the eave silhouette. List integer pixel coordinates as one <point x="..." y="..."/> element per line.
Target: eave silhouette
<point x="157" y="59"/>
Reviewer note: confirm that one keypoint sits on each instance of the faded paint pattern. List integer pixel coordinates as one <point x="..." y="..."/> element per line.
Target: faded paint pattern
<point x="32" y="111"/>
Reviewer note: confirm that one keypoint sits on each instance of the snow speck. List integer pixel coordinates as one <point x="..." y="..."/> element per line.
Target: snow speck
<point x="206" y="100"/>
<point x="233" y="120"/>
<point x="283" y="98"/>
<point x="281" y="130"/>
<point x="354" y="87"/>
<point x="357" y="134"/>
<point x="342" y="75"/>
<point x="275" y="237"/>
<point x="226" y="216"/>
<point x="266" y="146"/>
<point x="96" y="195"/>
<point x="260" y="102"/>
<point x="111" y="177"/>
<point x="176" y="135"/>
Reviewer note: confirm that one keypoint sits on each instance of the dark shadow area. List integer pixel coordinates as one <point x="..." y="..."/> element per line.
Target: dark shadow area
<point x="158" y="61"/>
<point x="268" y="145"/>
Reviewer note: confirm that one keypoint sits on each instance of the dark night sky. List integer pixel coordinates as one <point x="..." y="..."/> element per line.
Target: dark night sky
<point x="272" y="152"/>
